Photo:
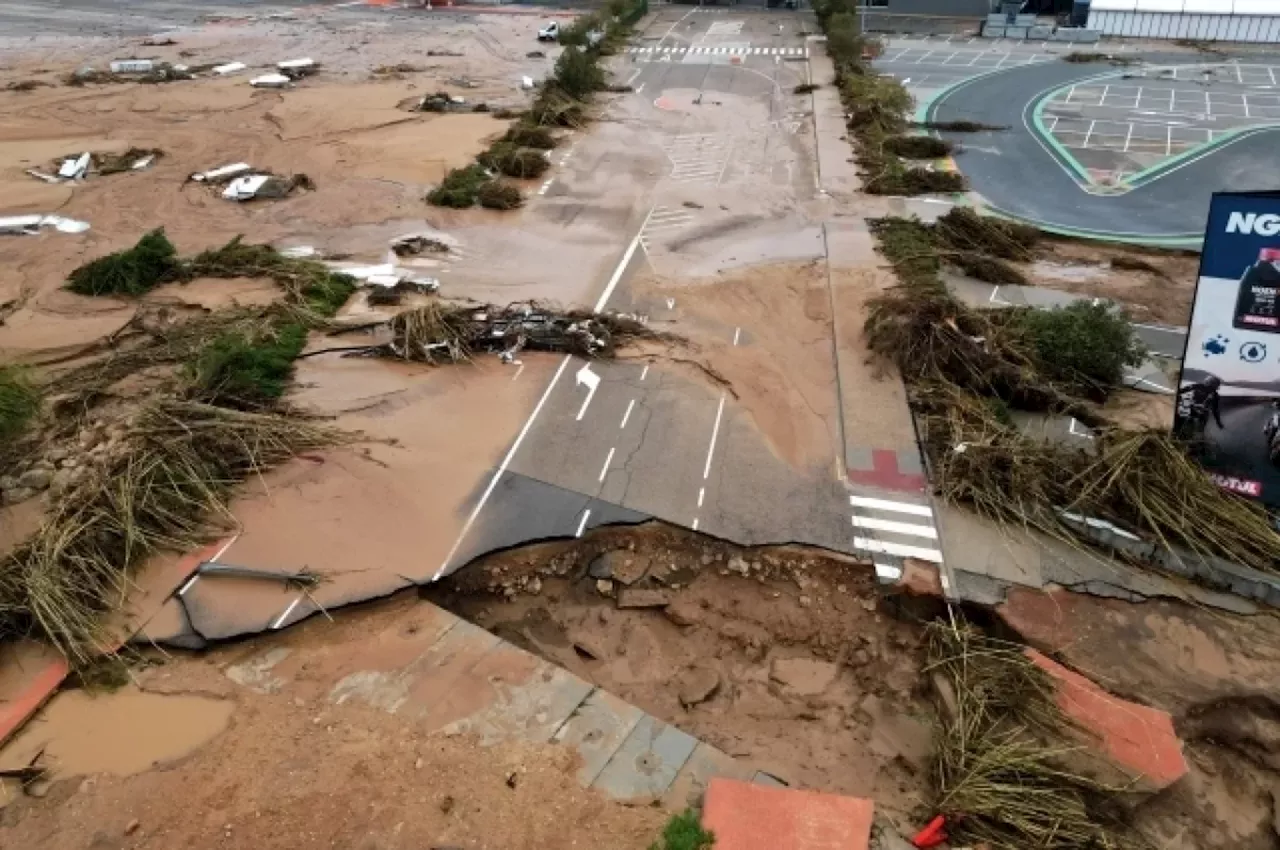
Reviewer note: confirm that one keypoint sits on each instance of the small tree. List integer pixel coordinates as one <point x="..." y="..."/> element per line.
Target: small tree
<point x="577" y="74"/>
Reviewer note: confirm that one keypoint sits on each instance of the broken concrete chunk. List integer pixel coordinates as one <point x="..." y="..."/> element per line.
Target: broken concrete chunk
<point x="622" y="565"/>
<point x="697" y="685"/>
<point x="632" y="597"/>
<point x="271" y="81"/>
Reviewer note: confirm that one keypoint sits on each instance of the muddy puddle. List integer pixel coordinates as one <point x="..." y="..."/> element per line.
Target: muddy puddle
<point x="122" y="733"/>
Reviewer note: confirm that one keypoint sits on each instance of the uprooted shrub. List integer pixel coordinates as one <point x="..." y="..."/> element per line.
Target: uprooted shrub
<point x="460" y="187"/>
<point x="578" y="74"/>
<point x="500" y="195"/>
<point x="958" y="126"/>
<point x="965" y="230"/>
<point x="805" y="88"/>
<point x="1084" y="344"/>
<point x="132" y="271"/>
<point x="898" y="179"/>
<point x="918" y="147"/>
<point x="512" y="161"/>
<point x="245" y="369"/>
<point x="990" y="269"/>
<point x="525" y="135"/>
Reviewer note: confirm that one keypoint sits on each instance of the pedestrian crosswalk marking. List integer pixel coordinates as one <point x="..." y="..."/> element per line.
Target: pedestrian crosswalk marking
<point x="721" y="50"/>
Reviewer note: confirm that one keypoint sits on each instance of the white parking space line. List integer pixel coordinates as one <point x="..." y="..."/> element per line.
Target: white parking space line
<point x="626" y="416"/>
<point x="280" y="620"/>
<point x="583" y="522"/>
<point x="604" y="470"/>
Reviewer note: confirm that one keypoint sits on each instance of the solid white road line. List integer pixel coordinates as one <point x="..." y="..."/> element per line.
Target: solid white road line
<point x="695" y="523"/>
<point x="702" y="493"/>
<point x="506" y="461"/>
<point x="715" y="432"/>
<point x="889" y="525"/>
<point x="622" y="267"/>
<point x="280" y="620"/>
<point x="898" y="549"/>
<point x="644" y="371"/>
<point x="519" y="369"/>
<point x="604" y="470"/>
<point x="583" y="523"/>
<point x="187" y="586"/>
<point x="224" y="549"/>
<point x="887" y="505"/>
<point x="627" y="415"/>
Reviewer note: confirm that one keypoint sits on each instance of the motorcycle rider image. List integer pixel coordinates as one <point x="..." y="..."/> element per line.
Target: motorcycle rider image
<point x="1271" y="432"/>
<point x="1196" y="403"/>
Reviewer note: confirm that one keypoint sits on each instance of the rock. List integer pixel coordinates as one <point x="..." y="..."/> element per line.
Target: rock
<point x="57" y="454"/>
<point x="18" y="494"/>
<point x="588" y="647"/>
<point x="43" y="464"/>
<point x="707" y="559"/>
<point x="620" y="565"/>
<point x="534" y="586"/>
<point x="132" y="826"/>
<point x="697" y="685"/>
<point x="738" y="565"/>
<point x="683" y="612"/>
<point x="803" y="676"/>
<point x="631" y="597"/>
<point x="62" y="479"/>
<point x="36" y="478"/>
<point x="805" y="602"/>
<point x="8" y="482"/>
<point x="604" y="587"/>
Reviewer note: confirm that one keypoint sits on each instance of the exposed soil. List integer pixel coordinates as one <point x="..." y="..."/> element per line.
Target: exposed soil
<point x="1156" y="286"/>
<point x="781" y="657"/>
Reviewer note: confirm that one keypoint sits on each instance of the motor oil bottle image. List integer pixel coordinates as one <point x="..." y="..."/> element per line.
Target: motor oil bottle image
<point x="1258" y="301"/>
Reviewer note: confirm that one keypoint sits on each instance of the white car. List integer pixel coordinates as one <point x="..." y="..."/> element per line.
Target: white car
<point x="551" y="32"/>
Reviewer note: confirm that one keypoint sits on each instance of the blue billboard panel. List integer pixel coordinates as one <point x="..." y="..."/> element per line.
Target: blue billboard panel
<point x="1229" y="392"/>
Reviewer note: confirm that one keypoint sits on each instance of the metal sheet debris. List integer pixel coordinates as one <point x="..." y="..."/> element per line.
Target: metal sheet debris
<point x="224" y="172"/>
<point x="229" y="68"/>
<point x="31" y="224"/>
<point x="271" y="81"/>
<point x="132" y="66"/>
<point x="244" y="188"/>
<point x="296" y="64"/>
<point x="40" y="175"/>
<point x="75" y="167"/>
<point x="145" y="162"/>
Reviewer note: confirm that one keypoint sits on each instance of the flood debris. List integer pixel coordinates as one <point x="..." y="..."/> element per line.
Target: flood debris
<point x="73" y="168"/>
<point x="134" y="159"/>
<point x="229" y="68"/>
<point x="417" y="243"/>
<point x="222" y="173"/>
<point x="30" y="225"/>
<point x="439" y="332"/>
<point x="296" y="69"/>
<point x="265" y="186"/>
<point x="271" y="81"/>
<point x="442" y="101"/>
<point x="135" y="71"/>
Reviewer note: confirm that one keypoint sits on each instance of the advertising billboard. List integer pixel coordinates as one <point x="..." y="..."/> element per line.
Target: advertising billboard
<point x="1228" y="404"/>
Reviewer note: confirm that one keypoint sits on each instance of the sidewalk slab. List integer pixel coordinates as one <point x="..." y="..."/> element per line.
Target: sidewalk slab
<point x="597" y="729"/>
<point x="1137" y="740"/>
<point x="752" y="817"/>
<point x="646" y="764"/>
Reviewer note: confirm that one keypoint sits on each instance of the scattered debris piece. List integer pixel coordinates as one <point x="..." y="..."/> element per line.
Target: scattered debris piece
<point x="443" y="53"/>
<point x="442" y="101"/>
<point x="296" y="69"/>
<point x="229" y="68"/>
<point x="222" y="173"/>
<point x="398" y="68"/>
<point x="74" y="168"/>
<point x="26" y="85"/>
<point x="253" y="186"/>
<point x="535" y="54"/>
<point x="438" y="332"/>
<point x="298" y="252"/>
<point x="271" y="81"/>
<point x="417" y="243"/>
<point x="132" y="66"/>
<point x="526" y="82"/>
<point x="697" y="684"/>
<point x="39" y="175"/>
<point x="134" y="159"/>
<point x="31" y="224"/>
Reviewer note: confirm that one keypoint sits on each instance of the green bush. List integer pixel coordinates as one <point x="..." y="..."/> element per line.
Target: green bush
<point x="513" y="161"/>
<point x="965" y="230"/>
<point x="246" y="370"/>
<point x="1084" y="344"/>
<point x="684" y="832"/>
<point x="530" y="136"/>
<point x="917" y="147"/>
<point x="132" y="271"/>
<point x="500" y="195"/>
<point x="460" y="187"/>
<point x="19" y="401"/>
<point x="844" y="42"/>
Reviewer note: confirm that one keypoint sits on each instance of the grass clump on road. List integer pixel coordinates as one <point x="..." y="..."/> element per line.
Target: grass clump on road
<point x="514" y="161"/>
<point x="19" y="402"/>
<point x="133" y="271"/>
<point x="500" y="195"/>
<point x="1081" y="58"/>
<point x="460" y="188"/>
<point x="1085" y="345"/>
<point x="958" y="126"/>
<point x="246" y="370"/>
<point x="684" y="832"/>
<point x="526" y="135"/>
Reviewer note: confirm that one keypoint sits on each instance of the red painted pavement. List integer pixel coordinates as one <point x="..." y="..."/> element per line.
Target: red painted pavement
<point x="884" y="474"/>
<point x="755" y="817"/>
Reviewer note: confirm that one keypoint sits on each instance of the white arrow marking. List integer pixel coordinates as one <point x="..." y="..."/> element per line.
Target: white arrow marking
<point x="592" y="380"/>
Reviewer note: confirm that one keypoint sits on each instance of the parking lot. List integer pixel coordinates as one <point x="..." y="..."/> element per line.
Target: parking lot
<point x="1117" y="126"/>
<point x="925" y="65"/>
